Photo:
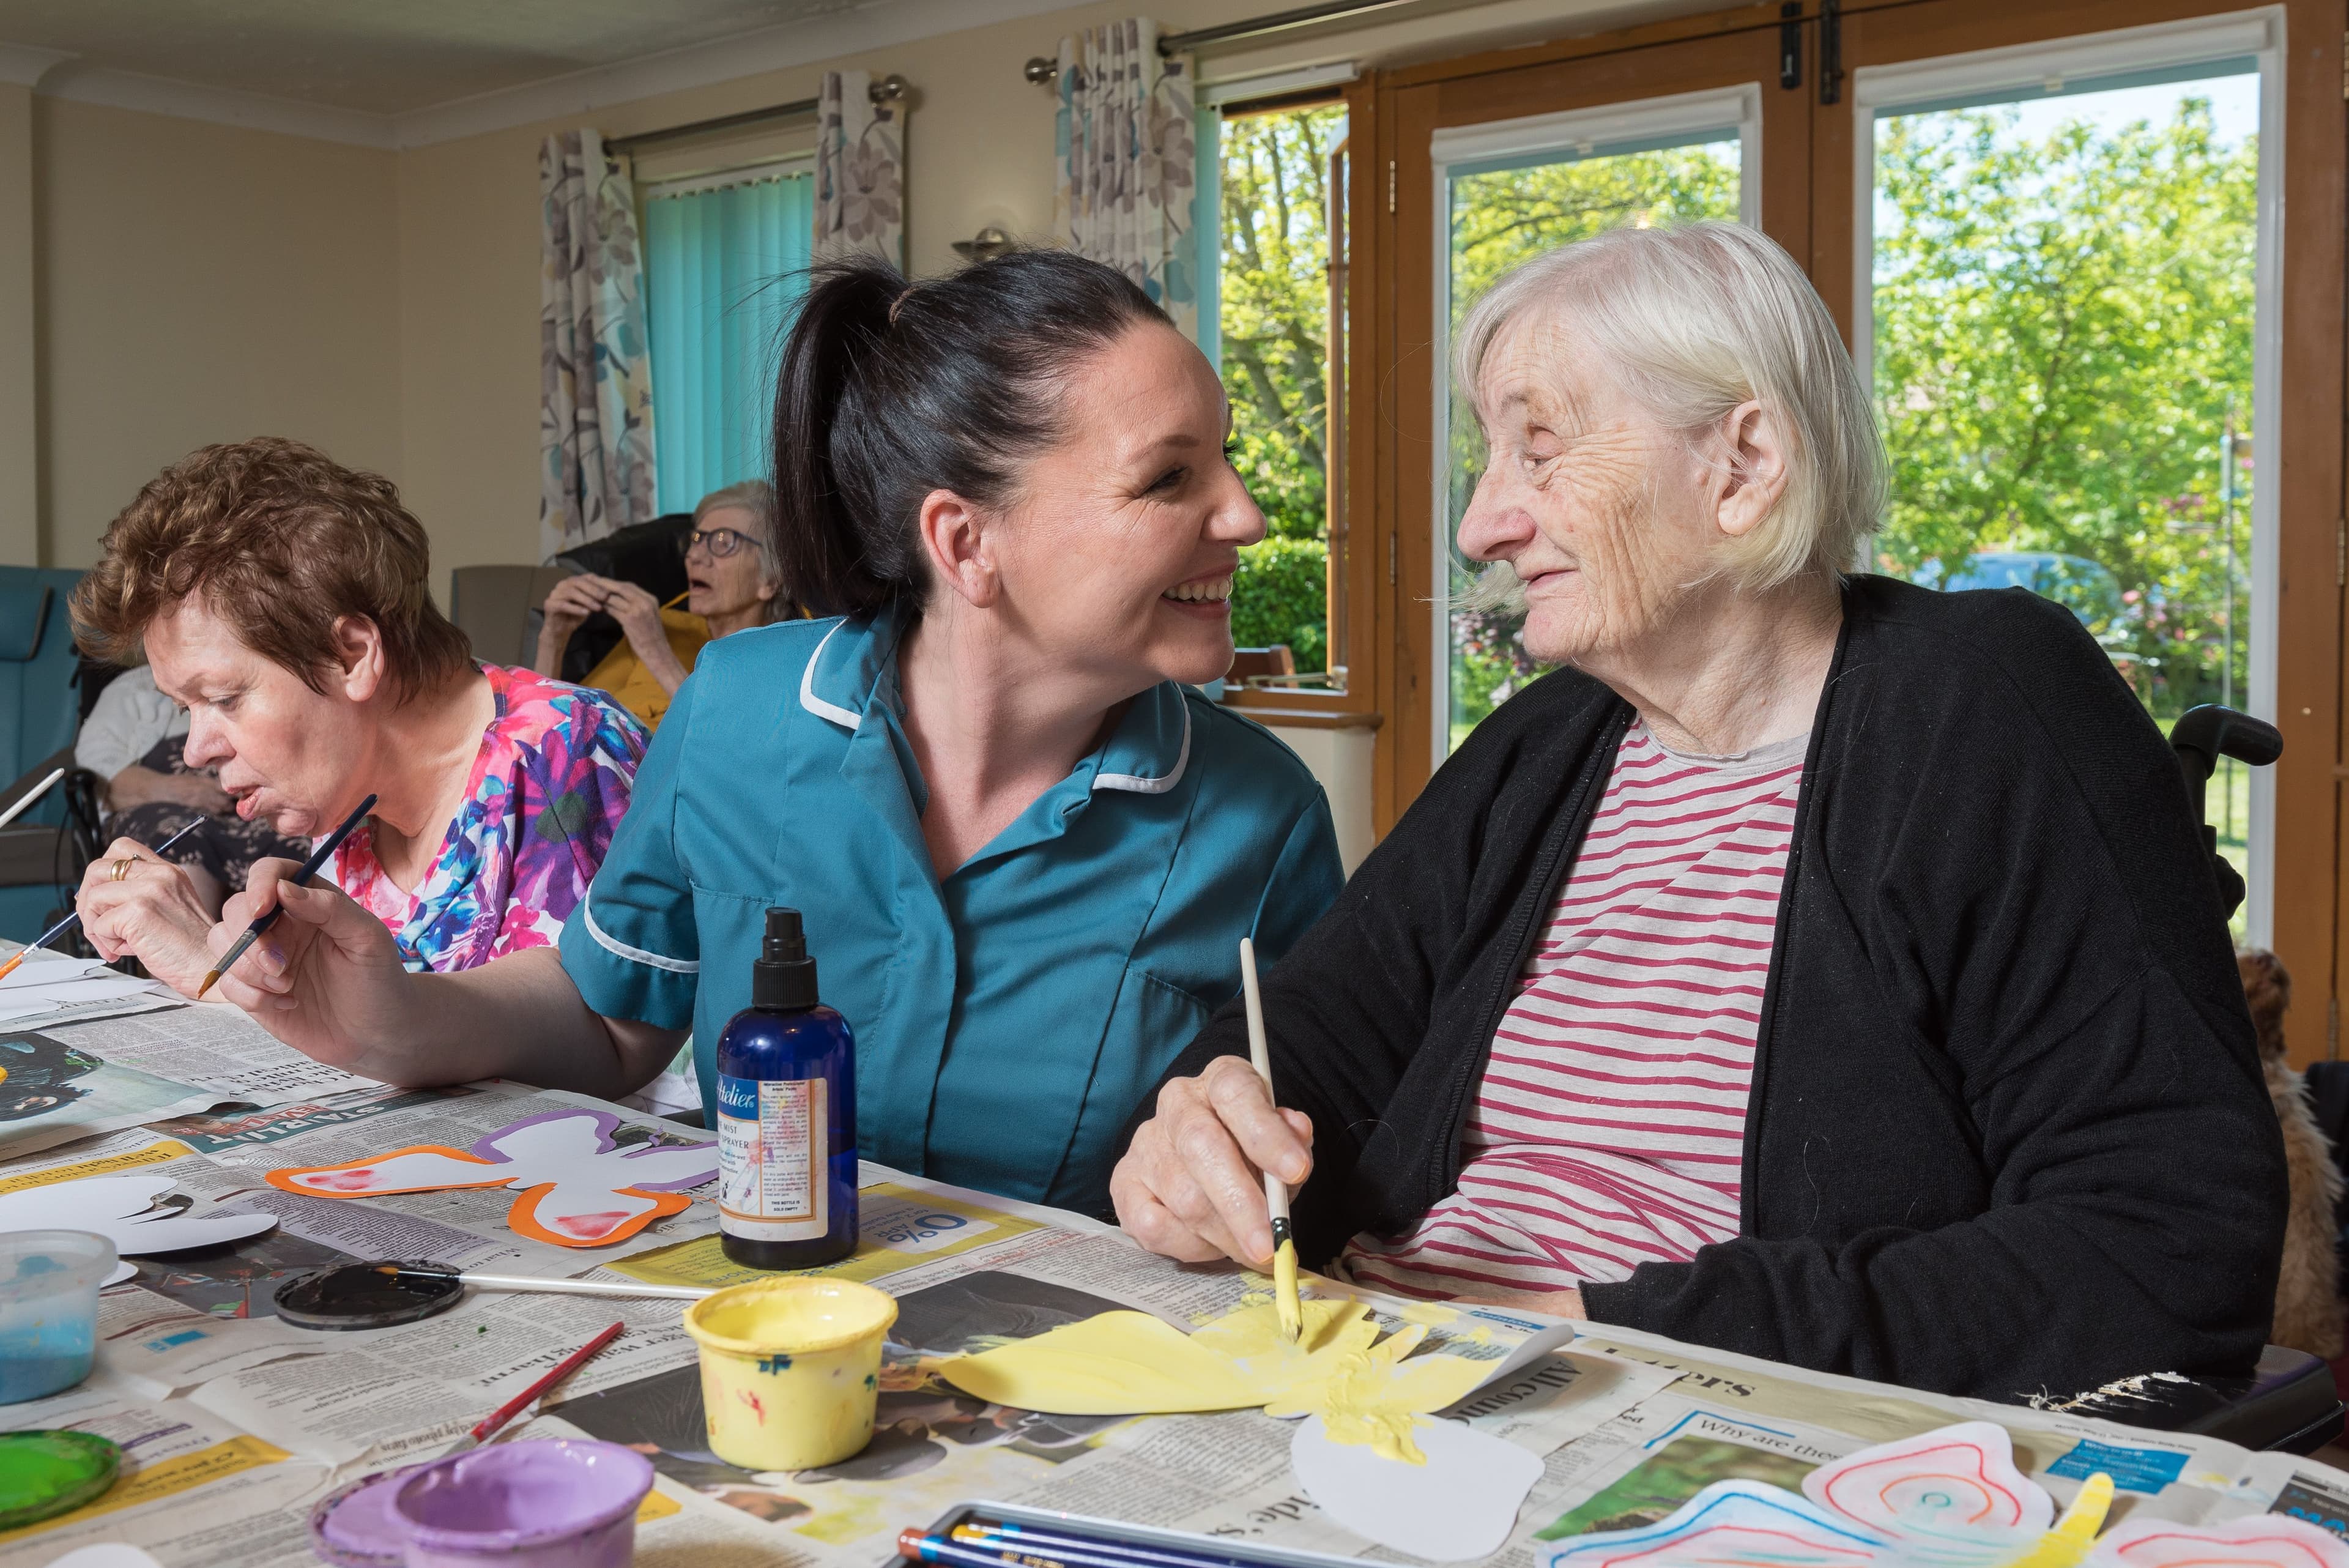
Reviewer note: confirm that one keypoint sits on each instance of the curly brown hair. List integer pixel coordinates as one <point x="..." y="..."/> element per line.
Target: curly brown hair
<point x="282" y="542"/>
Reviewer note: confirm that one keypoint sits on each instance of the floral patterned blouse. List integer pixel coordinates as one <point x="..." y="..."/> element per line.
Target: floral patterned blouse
<point x="549" y="785"/>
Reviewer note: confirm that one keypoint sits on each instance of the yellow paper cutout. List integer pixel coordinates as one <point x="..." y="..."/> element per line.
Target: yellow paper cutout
<point x="1131" y="1363"/>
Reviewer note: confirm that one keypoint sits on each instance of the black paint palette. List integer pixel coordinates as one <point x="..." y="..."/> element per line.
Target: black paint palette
<point x="362" y="1295"/>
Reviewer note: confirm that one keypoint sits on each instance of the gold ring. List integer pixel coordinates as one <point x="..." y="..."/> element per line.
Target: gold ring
<point x="121" y="869"/>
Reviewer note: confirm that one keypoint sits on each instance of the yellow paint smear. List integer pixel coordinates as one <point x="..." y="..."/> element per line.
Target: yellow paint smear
<point x="1131" y="1363"/>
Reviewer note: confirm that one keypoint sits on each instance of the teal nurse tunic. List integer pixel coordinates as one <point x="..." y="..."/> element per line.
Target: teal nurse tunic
<point x="1010" y="1019"/>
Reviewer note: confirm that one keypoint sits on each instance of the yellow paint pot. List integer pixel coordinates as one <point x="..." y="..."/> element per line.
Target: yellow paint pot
<point x="790" y="1369"/>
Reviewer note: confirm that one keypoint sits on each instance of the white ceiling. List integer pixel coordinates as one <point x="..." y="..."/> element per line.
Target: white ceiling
<point x="403" y="73"/>
<point x="383" y="56"/>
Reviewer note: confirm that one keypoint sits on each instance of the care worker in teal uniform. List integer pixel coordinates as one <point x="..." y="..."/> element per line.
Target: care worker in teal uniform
<point x="1025" y="848"/>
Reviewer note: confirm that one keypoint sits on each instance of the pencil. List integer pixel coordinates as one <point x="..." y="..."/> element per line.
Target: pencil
<point x="1276" y="1191"/>
<point x="73" y="919"/>
<point x="301" y="878"/>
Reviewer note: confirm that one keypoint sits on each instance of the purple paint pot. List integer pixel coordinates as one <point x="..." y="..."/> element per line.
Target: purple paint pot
<point x="545" y="1504"/>
<point x="354" y="1528"/>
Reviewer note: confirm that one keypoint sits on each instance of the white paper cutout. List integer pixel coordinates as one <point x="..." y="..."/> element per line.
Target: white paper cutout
<point x="1955" y="1484"/>
<point x="123" y="1210"/>
<point x="2263" y="1541"/>
<point x="1462" y="1503"/>
<point x="46" y="968"/>
<point x="578" y="1188"/>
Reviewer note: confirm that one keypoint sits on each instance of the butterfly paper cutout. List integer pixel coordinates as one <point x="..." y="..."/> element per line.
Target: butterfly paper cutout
<point x="1950" y="1497"/>
<point x="579" y="1188"/>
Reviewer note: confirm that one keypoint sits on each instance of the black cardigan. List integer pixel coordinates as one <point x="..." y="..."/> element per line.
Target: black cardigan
<point x="2007" y="1130"/>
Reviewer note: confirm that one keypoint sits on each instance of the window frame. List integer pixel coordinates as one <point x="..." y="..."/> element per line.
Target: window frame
<point x="1354" y="587"/>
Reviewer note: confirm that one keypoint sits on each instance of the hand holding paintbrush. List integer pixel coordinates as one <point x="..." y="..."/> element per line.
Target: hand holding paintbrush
<point x="1276" y="1191"/>
<point x="301" y="878"/>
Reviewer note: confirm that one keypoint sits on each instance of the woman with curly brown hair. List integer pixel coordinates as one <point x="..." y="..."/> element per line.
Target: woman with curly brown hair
<point x="281" y="598"/>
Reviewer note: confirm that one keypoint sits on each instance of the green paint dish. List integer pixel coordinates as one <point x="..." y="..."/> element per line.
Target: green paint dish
<point x="43" y="1474"/>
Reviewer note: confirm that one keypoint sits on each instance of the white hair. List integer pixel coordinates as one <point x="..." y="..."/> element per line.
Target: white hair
<point x="1693" y="319"/>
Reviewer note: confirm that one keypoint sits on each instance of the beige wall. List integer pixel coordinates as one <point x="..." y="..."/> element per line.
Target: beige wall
<point x="201" y="282"/>
<point x="20" y="530"/>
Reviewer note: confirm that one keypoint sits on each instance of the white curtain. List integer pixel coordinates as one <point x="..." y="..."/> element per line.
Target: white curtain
<point x="1123" y="143"/>
<point x="595" y="404"/>
<point x="860" y="171"/>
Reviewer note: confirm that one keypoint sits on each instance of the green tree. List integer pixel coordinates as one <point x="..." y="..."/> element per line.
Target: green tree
<point x="1276" y="355"/>
<point x="1276" y="310"/>
<point x="2062" y="333"/>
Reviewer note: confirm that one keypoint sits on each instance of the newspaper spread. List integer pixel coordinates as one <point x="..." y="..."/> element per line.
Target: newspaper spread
<point x="78" y="1071"/>
<point x="236" y="1424"/>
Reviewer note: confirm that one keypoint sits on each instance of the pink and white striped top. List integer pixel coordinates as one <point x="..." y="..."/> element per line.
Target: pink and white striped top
<point x="1609" y="1127"/>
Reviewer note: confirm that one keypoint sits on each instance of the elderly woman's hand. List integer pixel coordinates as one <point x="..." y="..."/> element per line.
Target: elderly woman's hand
<point x="568" y="603"/>
<point x="1191" y="1184"/>
<point x="134" y="901"/>
<point x="638" y="614"/>
<point x="327" y="979"/>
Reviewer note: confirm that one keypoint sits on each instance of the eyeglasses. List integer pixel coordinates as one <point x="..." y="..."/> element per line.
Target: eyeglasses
<point x="719" y="542"/>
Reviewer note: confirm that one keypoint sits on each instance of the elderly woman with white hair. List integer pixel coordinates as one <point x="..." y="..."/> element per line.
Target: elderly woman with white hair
<point x="1819" y="967"/>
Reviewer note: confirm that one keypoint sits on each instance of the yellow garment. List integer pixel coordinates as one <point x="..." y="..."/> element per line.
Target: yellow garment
<point x="624" y="675"/>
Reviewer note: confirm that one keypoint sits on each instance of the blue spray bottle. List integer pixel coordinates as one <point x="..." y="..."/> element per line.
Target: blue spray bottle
<point x="786" y="1115"/>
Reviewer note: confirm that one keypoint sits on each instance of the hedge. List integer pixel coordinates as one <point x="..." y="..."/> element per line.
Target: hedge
<point x="1282" y="595"/>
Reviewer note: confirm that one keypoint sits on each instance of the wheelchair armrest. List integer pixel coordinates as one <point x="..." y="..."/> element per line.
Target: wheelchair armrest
<point x="2287" y="1403"/>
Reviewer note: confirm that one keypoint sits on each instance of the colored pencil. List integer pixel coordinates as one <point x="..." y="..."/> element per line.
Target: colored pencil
<point x="301" y="878"/>
<point x="25" y="802"/>
<point x="550" y="1286"/>
<point x="1037" y="1539"/>
<point x="73" y="919"/>
<point x="493" y="1423"/>
<point x="1276" y="1191"/>
<point x="915" y="1546"/>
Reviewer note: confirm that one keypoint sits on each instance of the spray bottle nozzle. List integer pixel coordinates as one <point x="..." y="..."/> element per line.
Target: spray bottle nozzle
<point x="783" y="978"/>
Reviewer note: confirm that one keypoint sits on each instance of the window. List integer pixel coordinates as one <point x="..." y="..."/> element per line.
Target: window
<point x="2065" y="282"/>
<point x="723" y="258"/>
<point x="1280" y="319"/>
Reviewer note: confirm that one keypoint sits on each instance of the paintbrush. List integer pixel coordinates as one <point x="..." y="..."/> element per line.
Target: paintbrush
<point x="554" y="1286"/>
<point x="495" y="1421"/>
<point x="73" y="919"/>
<point x="1276" y="1191"/>
<point x="25" y="802"/>
<point x="301" y="878"/>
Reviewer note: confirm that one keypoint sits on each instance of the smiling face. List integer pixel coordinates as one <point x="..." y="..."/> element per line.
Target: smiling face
<point x="1600" y="512"/>
<point x="727" y="586"/>
<point x="1118" y="552"/>
<point x="284" y="753"/>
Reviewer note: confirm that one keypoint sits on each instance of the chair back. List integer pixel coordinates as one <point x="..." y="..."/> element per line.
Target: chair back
<point x="497" y="608"/>
<point x="39" y="711"/>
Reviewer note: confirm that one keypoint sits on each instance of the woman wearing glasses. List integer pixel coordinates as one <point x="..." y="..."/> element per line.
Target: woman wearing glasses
<point x="733" y="582"/>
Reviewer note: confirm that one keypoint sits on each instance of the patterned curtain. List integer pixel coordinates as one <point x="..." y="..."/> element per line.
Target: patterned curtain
<point x="1123" y="143"/>
<point x="594" y="381"/>
<point x="860" y="171"/>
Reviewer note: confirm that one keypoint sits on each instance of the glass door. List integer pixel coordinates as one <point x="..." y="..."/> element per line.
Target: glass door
<point x="1502" y="167"/>
<point x="2064" y="299"/>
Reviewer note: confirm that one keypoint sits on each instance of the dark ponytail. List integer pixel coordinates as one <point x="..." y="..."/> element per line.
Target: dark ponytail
<point x="889" y="391"/>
